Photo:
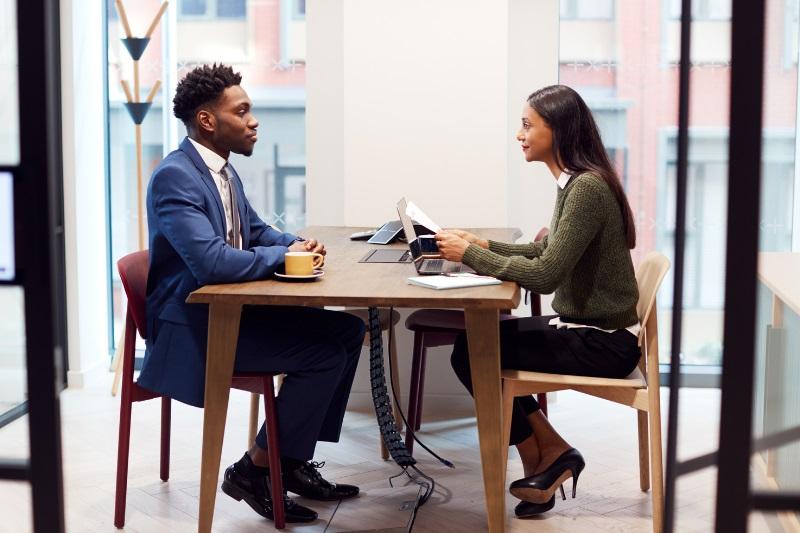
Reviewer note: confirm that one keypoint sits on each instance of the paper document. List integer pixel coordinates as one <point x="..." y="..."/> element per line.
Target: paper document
<point x="417" y="215"/>
<point x="453" y="281"/>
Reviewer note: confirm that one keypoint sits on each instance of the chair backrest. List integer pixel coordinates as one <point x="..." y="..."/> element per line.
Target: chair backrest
<point x="649" y="276"/>
<point x="133" y="273"/>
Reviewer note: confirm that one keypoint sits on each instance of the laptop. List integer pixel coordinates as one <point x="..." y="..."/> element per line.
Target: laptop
<point x="426" y="263"/>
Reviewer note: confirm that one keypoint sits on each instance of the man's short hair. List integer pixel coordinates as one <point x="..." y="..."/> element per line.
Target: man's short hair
<point x="201" y="86"/>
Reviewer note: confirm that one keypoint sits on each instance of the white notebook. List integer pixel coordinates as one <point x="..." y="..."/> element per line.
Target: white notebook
<point x="453" y="281"/>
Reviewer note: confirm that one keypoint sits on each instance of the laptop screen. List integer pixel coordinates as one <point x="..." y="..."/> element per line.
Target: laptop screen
<point x="408" y="228"/>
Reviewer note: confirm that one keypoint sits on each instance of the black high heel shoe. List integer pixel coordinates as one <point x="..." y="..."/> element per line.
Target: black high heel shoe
<point x="528" y="509"/>
<point x="539" y="488"/>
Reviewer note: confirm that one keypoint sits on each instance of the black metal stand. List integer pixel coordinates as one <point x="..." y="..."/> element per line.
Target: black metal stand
<point x="383" y="411"/>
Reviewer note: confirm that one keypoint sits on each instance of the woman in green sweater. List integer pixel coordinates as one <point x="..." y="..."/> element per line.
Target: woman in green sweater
<point x="585" y="260"/>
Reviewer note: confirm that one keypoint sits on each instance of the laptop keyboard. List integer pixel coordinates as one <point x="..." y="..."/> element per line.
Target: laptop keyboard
<point x="440" y="265"/>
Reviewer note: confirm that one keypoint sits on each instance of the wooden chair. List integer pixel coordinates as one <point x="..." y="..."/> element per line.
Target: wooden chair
<point x="133" y="273"/>
<point x="639" y="390"/>
<point x="440" y="327"/>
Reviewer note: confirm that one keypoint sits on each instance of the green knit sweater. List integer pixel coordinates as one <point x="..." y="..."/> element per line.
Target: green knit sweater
<point x="584" y="259"/>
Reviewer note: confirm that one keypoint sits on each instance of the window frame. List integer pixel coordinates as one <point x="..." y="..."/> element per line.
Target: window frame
<point x="211" y="13"/>
<point x="700" y="11"/>
<point x="572" y="12"/>
<point x="297" y="14"/>
<point x="289" y="14"/>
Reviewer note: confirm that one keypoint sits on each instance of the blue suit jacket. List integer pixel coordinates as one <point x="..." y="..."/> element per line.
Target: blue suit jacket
<point x="188" y="250"/>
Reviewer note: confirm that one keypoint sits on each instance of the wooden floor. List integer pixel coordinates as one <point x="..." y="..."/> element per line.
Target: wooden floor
<point x="608" y="499"/>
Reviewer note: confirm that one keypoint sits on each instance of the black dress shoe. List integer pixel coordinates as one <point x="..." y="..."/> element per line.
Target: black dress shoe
<point x="255" y="492"/>
<point x="539" y="488"/>
<point x="306" y="481"/>
<point x="527" y="509"/>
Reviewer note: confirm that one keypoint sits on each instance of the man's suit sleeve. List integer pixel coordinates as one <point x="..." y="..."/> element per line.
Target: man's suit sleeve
<point x="178" y="202"/>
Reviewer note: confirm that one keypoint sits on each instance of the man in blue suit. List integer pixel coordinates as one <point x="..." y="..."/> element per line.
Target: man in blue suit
<point x="202" y="231"/>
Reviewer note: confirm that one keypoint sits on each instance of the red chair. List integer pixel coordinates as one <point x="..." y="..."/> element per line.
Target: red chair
<point x="440" y="327"/>
<point x="133" y="273"/>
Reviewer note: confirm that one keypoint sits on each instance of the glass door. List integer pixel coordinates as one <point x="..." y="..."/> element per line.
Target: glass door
<point x="32" y="293"/>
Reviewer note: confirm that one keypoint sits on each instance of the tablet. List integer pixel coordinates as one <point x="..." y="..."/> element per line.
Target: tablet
<point x="387" y="233"/>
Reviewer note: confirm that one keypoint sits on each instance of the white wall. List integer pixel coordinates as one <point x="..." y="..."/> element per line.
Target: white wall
<point x="423" y="99"/>
<point x="82" y="58"/>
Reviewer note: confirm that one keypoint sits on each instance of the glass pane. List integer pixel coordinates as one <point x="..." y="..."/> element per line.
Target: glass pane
<point x="719" y="9"/>
<point x="759" y="522"/>
<point x="695" y="499"/>
<point x="127" y="235"/>
<point x="16" y="498"/>
<point x="9" y="84"/>
<point x="231" y="8"/>
<point x="274" y="78"/>
<point x="248" y="36"/>
<point x="630" y="81"/>
<point x="193" y="7"/>
<point x="13" y="376"/>
<point x="776" y="402"/>
<point x="595" y="9"/>
<point x="7" y="260"/>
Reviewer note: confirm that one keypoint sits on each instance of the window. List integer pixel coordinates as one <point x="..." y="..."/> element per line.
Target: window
<point x="790" y="26"/>
<point x="704" y="9"/>
<point x="634" y="101"/>
<point x="247" y="35"/>
<point x="293" y="32"/>
<point x="587" y="9"/>
<point x="210" y="9"/>
<point x="299" y="9"/>
<point x="7" y="262"/>
<point x="9" y="113"/>
<point x="705" y="218"/>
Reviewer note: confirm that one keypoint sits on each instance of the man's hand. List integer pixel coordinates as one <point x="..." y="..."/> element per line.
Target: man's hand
<point x="313" y="245"/>
<point x="451" y="246"/>
<point x="309" y="245"/>
<point x="469" y="237"/>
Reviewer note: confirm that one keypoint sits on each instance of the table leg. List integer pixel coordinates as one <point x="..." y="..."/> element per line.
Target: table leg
<point x="483" y="337"/>
<point x="223" y="334"/>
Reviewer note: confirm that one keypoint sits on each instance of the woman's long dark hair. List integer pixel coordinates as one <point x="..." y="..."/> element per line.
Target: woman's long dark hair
<point x="577" y="146"/>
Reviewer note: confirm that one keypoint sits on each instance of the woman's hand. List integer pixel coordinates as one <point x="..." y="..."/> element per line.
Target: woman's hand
<point x="451" y="246"/>
<point x="469" y="237"/>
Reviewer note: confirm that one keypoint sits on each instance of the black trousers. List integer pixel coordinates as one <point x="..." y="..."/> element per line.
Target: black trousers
<point x="532" y="344"/>
<point x="318" y="350"/>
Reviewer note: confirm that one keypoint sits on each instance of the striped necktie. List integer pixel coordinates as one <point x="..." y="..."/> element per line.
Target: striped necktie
<point x="233" y="233"/>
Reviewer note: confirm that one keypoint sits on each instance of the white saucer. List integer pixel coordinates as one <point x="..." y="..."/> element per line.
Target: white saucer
<point x="317" y="274"/>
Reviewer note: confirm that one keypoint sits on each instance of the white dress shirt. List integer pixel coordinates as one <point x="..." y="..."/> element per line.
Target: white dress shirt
<point x="562" y="181"/>
<point x="215" y="164"/>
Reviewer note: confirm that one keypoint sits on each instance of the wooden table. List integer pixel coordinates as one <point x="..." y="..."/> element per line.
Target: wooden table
<point x="778" y="272"/>
<point x="349" y="283"/>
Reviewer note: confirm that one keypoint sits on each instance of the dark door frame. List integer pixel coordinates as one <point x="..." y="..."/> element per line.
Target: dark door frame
<point x="735" y="499"/>
<point x="39" y="255"/>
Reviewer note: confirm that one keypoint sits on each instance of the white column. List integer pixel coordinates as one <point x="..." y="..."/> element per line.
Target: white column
<point x="796" y="204"/>
<point x="324" y="112"/>
<point x="82" y="58"/>
<point x="423" y="99"/>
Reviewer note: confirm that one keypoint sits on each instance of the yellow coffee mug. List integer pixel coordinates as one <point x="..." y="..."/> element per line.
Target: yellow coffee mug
<point x="302" y="263"/>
